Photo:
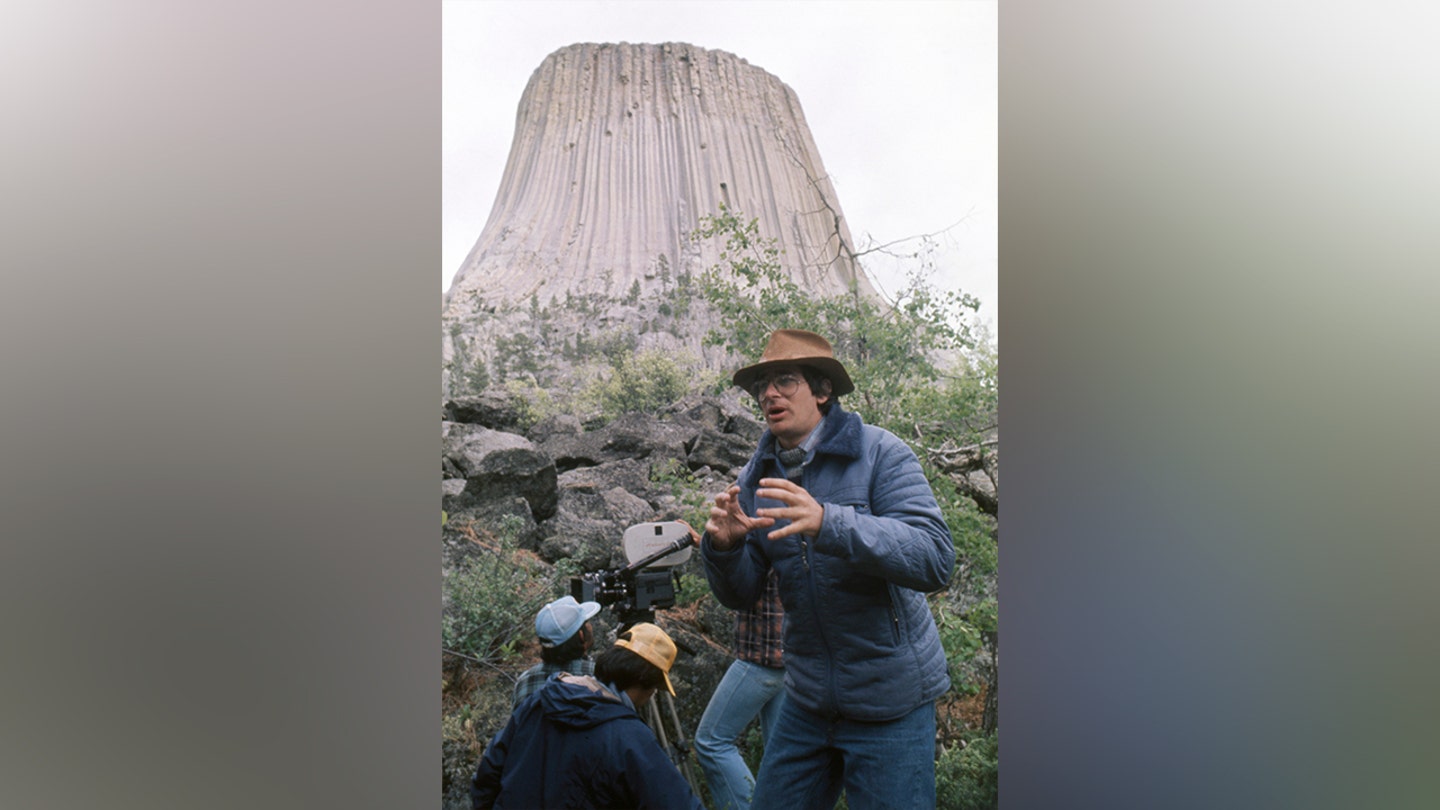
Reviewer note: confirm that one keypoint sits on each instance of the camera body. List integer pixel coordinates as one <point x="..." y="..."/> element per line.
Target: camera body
<point x="637" y="591"/>
<point x="648" y="582"/>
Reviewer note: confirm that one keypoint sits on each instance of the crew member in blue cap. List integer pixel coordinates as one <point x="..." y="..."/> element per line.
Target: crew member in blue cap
<point x="565" y="640"/>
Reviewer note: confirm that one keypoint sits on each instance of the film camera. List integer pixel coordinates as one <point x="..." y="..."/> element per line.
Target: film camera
<point x="635" y="592"/>
<point x="648" y="582"/>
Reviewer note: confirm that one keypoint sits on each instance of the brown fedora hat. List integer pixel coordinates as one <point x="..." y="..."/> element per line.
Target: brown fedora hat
<point x="796" y="347"/>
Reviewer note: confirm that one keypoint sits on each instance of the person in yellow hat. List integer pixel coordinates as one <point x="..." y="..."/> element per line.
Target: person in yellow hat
<point x="842" y="514"/>
<point x="579" y="741"/>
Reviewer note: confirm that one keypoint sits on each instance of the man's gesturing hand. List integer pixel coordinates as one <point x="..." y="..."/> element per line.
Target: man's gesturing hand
<point x="804" y="512"/>
<point x="728" y="525"/>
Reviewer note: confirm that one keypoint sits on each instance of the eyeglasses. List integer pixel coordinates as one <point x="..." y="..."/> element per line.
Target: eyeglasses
<point x="785" y="385"/>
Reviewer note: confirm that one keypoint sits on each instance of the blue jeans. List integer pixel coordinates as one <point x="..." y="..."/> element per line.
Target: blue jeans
<point x="808" y="758"/>
<point x="746" y="690"/>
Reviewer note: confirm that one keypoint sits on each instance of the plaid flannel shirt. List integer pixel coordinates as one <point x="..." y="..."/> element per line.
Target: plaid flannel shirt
<point x="759" y="630"/>
<point x="535" y="677"/>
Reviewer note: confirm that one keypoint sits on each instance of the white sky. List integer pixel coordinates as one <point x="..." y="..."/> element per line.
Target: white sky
<point x="900" y="98"/>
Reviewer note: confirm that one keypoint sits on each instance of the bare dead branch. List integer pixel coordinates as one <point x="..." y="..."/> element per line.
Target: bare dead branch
<point x="883" y="248"/>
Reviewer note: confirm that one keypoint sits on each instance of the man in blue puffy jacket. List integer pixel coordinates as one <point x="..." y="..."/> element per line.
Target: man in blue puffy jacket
<point x="844" y="515"/>
<point x="578" y="742"/>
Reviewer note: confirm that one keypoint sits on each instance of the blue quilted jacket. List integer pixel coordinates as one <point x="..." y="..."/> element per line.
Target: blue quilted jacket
<point x="860" y="642"/>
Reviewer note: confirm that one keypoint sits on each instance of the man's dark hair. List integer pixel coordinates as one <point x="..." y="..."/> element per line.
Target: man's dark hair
<point x="571" y="649"/>
<point x="820" y="385"/>
<point x="624" y="669"/>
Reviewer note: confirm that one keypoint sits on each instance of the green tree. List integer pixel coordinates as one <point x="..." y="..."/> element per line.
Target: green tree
<point x="517" y="354"/>
<point x="468" y="374"/>
<point x="918" y="369"/>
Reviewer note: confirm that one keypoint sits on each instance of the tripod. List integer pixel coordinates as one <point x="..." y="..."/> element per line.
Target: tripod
<point x="674" y="744"/>
<point x="678" y="749"/>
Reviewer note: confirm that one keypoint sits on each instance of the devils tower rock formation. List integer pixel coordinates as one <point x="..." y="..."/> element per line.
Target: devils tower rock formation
<point x="619" y="149"/>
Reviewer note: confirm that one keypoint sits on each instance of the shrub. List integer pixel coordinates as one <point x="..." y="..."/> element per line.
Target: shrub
<point x="967" y="776"/>
<point x="465" y="731"/>
<point x="692" y="588"/>
<point x="532" y="403"/>
<point x="490" y="600"/>
<point x="459" y="754"/>
<point x="641" y="383"/>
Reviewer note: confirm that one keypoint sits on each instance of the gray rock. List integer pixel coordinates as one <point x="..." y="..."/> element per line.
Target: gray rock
<point x="451" y="488"/>
<point x="498" y="466"/>
<point x="632" y="436"/>
<point x="641" y="436"/>
<point x="588" y="526"/>
<point x="632" y="475"/>
<point x="746" y="426"/>
<point x="552" y="427"/>
<point x="719" y="451"/>
<point x="526" y="473"/>
<point x="728" y="413"/>
<point x="496" y="409"/>
<point x="464" y="447"/>
<point x="698" y="411"/>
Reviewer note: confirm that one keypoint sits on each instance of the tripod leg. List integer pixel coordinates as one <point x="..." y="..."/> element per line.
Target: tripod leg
<point x="682" y="748"/>
<point x="679" y="750"/>
<point x="652" y="716"/>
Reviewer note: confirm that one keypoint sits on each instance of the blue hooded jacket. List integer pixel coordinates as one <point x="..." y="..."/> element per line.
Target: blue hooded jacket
<point x="860" y="641"/>
<point x="575" y="744"/>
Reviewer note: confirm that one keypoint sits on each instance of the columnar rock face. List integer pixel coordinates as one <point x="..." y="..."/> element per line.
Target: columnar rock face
<point x="618" y="150"/>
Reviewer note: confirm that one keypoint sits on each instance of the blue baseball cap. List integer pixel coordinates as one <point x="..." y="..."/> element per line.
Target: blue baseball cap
<point x="562" y="618"/>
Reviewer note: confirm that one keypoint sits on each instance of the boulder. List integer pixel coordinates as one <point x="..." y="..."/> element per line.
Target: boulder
<point x="697" y="411"/>
<point x="464" y="447"/>
<point x="588" y="526"/>
<point x="497" y="466"/>
<point x="526" y="473"/>
<point x="727" y="413"/>
<point x="632" y="475"/>
<point x="552" y="427"/>
<point x="746" y="426"/>
<point x="719" y="451"/>
<point x="494" y="409"/>
<point x="450" y="489"/>
<point x="634" y="436"/>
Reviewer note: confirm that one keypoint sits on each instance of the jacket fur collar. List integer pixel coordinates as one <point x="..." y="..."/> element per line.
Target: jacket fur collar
<point x="840" y="435"/>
